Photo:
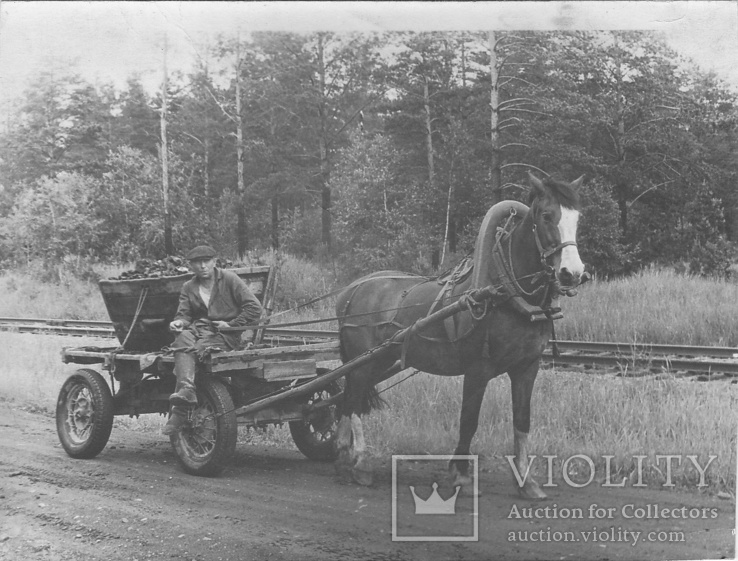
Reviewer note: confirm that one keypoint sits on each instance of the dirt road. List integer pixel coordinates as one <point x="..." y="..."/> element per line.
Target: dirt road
<point x="134" y="502"/>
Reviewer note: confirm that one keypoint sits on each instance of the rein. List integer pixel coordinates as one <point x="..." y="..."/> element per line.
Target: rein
<point x="505" y="263"/>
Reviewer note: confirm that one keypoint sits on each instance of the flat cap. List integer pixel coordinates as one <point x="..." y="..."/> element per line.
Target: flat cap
<point x="201" y="252"/>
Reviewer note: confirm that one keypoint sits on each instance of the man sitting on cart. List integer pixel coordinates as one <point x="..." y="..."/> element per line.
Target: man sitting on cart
<point x="212" y="299"/>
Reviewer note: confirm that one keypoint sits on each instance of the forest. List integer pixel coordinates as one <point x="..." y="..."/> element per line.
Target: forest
<point x="372" y="151"/>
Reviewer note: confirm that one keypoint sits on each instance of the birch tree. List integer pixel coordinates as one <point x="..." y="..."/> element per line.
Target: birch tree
<point x="164" y="155"/>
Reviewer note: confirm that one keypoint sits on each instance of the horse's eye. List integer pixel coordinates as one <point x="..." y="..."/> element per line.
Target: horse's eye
<point x="547" y="217"/>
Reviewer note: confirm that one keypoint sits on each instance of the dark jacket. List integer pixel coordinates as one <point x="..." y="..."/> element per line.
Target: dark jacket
<point x="230" y="300"/>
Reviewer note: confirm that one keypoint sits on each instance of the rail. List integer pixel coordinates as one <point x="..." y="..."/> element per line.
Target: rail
<point x="644" y="357"/>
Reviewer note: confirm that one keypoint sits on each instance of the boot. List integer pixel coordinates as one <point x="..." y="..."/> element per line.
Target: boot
<point x="184" y="369"/>
<point x="177" y="421"/>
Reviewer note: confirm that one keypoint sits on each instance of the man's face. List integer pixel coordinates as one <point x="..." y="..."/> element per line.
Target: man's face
<point x="203" y="268"/>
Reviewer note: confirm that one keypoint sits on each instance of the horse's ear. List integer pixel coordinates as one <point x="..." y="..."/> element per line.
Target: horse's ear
<point x="538" y="189"/>
<point x="577" y="183"/>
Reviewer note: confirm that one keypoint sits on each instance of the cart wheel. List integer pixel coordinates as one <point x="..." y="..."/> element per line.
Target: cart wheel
<point x="208" y="442"/>
<point x="316" y="436"/>
<point x="84" y="414"/>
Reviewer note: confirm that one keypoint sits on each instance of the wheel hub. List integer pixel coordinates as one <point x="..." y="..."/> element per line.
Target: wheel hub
<point x="80" y="414"/>
<point x="200" y="433"/>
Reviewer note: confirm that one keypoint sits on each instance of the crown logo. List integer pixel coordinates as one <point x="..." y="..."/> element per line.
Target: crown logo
<point x="435" y="504"/>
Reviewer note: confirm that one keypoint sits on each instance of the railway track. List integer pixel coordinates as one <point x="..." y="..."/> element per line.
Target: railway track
<point x="71" y="327"/>
<point x="633" y="359"/>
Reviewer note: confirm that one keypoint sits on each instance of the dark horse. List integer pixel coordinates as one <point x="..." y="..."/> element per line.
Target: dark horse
<point x="530" y="256"/>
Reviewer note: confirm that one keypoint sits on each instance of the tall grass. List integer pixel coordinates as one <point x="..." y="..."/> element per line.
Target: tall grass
<point x="23" y="295"/>
<point x="573" y="413"/>
<point x="653" y="306"/>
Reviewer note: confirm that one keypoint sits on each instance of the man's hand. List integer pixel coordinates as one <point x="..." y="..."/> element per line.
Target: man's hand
<point x="176" y="326"/>
<point x="220" y="324"/>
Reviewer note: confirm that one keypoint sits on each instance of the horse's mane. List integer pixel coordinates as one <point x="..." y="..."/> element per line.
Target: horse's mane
<point x="563" y="192"/>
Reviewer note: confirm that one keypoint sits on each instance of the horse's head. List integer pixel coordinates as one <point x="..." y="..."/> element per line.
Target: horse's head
<point x="554" y="206"/>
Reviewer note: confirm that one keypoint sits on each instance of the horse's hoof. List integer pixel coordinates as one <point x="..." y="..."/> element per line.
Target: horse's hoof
<point x="343" y="472"/>
<point x="466" y="483"/>
<point x="363" y="473"/>
<point x="343" y="466"/>
<point x="344" y="458"/>
<point x="531" y="491"/>
<point x="362" y="477"/>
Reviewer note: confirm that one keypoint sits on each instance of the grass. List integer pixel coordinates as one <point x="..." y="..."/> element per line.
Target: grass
<point x="25" y="296"/>
<point x="653" y="306"/>
<point x="573" y="413"/>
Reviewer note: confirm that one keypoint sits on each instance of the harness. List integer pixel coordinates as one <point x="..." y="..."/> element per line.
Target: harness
<point x="357" y="284"/>
<point x="536" y="303"/>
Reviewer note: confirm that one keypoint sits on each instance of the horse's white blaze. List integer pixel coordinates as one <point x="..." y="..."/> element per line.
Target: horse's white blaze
<point x="568" y="231"/>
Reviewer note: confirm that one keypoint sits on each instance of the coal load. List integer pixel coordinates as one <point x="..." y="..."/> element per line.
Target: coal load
<point x="168" y="267"/>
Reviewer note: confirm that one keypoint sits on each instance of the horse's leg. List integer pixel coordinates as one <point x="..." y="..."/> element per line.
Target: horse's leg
<point x="362" y="472"/>
<point x="521" y="384"/>
<point x="475" y="383"/>
<point x="352" y="461"/>
<point x="343" y="462"/>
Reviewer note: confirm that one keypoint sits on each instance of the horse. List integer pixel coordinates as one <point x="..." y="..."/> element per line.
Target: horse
<point x="529" y="255"/>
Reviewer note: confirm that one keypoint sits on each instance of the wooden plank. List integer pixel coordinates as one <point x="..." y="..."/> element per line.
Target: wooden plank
<point x="267" y="301"/>
<point x="103" y="355"/>
<point x="278" y="413"/>
<point x="288" y="370"/>
<point x="272" y="353"/>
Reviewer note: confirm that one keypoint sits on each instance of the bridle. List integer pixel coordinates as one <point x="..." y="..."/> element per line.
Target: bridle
<point x="548" y="274"/>
<point x="546" y="253"/>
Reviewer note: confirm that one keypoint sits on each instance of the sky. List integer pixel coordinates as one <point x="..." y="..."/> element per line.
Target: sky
<point x="111" y="40"/>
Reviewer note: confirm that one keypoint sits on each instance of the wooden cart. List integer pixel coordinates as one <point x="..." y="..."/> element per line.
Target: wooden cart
<point x="228" y="384"/>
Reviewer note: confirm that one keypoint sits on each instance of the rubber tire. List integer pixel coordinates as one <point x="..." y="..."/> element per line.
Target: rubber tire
<point x="303" y="433"/>
<point x="213" y="398"/>
<point x="101" y="418"/>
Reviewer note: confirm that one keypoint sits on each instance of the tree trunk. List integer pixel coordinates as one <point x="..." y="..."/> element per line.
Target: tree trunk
<point x="622" y="187"/>
<point x="623" y="206"/>
<point x="447" y="231"/>
<point x="428" y="132"/>
<point x="242" y="237"/>
<point x="168" y="242"/>
<point x="449" y="204"/>
<point x="275" y="222"/>
<point x="326" y="205"/>
<point x="323" y="147"/>
<point x="494" y="137"/>
<point x="206" y="179"/>
<point x="452" y="238"/>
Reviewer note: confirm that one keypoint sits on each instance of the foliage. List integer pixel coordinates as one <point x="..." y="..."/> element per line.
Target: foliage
<point x="599" y="234"/>
<point x="379" y="221"/>
<point x="52" y="218"/>
<point x="382" y="144"/>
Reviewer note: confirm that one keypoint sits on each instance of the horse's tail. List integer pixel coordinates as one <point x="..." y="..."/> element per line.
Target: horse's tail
<point x="371" y="400"/>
